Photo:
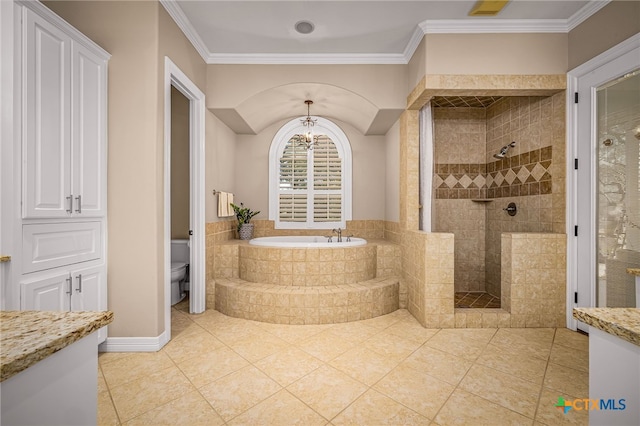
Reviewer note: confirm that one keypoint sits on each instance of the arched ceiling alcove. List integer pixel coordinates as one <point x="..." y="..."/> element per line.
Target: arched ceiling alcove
<point x="287" y="102"/>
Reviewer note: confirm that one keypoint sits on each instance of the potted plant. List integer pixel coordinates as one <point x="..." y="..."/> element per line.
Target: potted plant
<point x="244" y="215"/>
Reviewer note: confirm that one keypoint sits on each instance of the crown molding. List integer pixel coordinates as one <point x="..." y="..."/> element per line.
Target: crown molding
<point x="495" y="26"/>
<point x="413" y="44"/>
<point x="452" y="26"/>
<point x="583" y="14"/>
<point x="308" y="58"/>
<point x="172" y="8"/>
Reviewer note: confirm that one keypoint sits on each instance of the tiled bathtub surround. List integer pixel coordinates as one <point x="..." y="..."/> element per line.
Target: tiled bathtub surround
<point x="367" y="229"/>
<point x="307" y="266"/>
<point x="273" y="284"/>
<point x="306" y="305"/>
<point x="222" y="260"/>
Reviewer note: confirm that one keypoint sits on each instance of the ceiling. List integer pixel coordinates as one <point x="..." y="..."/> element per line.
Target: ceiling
<point x="360" y="31"/>
<point x="346" y="32"/>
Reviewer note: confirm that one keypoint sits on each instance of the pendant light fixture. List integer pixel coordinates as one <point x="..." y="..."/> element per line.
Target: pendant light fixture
<point x="309" y="140"/>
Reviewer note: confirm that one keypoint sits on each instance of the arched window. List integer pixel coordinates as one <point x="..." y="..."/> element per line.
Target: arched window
<point x="310" y="189"/>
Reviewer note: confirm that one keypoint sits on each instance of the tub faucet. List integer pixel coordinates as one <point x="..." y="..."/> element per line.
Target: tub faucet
<point x="339" y="232"/>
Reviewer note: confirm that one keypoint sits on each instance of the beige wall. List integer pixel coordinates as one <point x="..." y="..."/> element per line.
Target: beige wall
<point x="220" y="154"/>
<point x="179" y="165"/>
<point x="417" y="66"/>
<point x="138" y="34"/>
<point x="129" y="31"/>
<point x="230" y="85"/>
<point x="611" y="25"/>
<point x="368" y="159"/>
<point x="496" y="53"/>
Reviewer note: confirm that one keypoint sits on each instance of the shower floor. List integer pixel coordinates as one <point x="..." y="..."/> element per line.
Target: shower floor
<point x="466" y="299"/>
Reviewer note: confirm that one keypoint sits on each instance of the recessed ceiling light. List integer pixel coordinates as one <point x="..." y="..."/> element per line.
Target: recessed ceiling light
<point x="304" y="27"/>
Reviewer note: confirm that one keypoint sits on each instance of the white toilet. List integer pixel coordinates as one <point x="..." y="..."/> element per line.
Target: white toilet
<point x="179" y="270"/>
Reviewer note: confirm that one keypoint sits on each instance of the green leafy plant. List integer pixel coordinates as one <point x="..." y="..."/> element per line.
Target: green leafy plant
<point x="243" y="214"/>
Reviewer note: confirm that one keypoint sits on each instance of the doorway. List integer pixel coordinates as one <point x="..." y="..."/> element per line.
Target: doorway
<point x="176" y="80"/>
<point x="602" y="197"/>
<point x="180" y="194"/>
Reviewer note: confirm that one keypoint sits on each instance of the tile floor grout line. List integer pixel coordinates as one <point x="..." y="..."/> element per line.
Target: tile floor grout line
<point x="198" y="389"/>
<point x="113" y="403"/>
<point x="396" y="367"/>
<point x="546" y="367"/>
<point x="520" y="378"/>
<point x="380" y="329"/>
<point x="460" y="381"/>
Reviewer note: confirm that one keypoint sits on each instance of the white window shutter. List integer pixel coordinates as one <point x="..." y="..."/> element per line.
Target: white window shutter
<point x="310" y="188"/>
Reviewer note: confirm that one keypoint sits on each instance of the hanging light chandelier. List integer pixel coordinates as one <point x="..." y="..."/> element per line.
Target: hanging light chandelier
<point x="309" y="140"/>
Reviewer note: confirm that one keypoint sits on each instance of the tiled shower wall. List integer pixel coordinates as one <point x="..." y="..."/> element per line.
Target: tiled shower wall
<point x="460" y="175"/>
<point x="532" y="176"/>
<point x="537" y="124"/>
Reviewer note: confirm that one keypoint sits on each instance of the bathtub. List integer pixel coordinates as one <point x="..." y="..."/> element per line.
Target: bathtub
<point x="307" y="261"/>
<point x="315" y="241"/>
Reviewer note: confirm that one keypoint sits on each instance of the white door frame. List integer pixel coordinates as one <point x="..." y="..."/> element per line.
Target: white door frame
<point x="7" y="217"/>
<point x="581" y="124"/>
<point x="176" y="78"/>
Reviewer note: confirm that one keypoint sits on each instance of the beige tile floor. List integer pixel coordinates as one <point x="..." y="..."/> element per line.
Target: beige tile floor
<point x="388" y="370"/>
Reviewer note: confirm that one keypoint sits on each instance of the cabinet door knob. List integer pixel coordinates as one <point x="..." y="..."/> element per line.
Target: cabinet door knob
<point x="79" y="289"/>
<point x="70" y="285"/>
<point x="5" y="259"/>
<point x="79" y="200"/>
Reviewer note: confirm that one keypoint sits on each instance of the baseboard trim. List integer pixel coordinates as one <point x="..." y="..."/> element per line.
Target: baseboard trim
<point x="134" y="344"/>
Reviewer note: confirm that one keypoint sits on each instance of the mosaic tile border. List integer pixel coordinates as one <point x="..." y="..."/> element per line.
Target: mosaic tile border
<point x="520" y="175"/>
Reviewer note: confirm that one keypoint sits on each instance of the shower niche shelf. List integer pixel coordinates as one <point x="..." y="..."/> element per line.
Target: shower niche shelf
<point x="482" y="200"/>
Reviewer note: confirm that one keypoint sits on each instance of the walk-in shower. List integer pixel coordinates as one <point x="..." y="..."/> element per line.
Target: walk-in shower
<point x="479" y="169"/>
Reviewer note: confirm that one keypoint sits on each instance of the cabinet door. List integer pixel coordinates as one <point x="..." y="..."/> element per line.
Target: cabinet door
<point x="89" y="292"/>
<point x="46" y="125"/>
<point x="88" y="144"/>
<point x="88" y="286"/>
<point x="49" y="292"/>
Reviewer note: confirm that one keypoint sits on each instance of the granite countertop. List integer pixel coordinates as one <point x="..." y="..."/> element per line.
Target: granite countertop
<point x="621" y="322"/>
<point x="634" y="271"/>
<point x="27" y="337"/>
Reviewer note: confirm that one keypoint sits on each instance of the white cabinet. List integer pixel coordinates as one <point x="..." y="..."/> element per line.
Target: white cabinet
<point x="88" y="133"/>
<point x="46" y="123"/>
<point x="88" y="291"/>
<point x="64" y="123"/>
<point x="82" y="288"/>
<point x="48" y="292"/>
<point x="61" y="111"/>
